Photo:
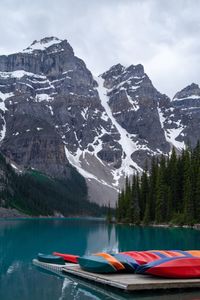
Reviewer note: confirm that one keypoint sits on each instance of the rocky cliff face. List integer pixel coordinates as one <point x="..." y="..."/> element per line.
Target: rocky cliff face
<point x="134" y="103"/>
<point x="187" y="101"/>
<point x="51" y="113"/>
<point x="55" y="113"/>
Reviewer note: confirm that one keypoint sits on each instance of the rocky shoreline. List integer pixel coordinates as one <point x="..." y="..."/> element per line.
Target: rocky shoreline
<point x="195" y="226"/>
<point x="6" y="213"/>
<point x="11" y="213"/>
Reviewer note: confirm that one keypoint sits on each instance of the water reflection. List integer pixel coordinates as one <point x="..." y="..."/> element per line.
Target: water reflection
<point x="102" y="239"/>
<point x="82" y="290"/>
<point x="20" y="241"/>
<point x="146" y="238"/>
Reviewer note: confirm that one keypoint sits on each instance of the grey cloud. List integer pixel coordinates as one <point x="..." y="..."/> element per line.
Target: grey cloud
<point x="161" y="34"/>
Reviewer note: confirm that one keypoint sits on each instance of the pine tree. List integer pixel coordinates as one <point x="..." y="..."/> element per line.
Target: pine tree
<point x="134" y="203"/>
<point x="197" y="197"/>
<point x="119" y="211"/>
<point x="172" y="180"/>
<point x="187" y="190"/>
<point x="149" y="215"/>
<point x="195" y="169"/>
<point x="127" y="201"/>
<point x="180" y="183"/>
<point x="161" y="194"/>
<point x="144" y="194"/>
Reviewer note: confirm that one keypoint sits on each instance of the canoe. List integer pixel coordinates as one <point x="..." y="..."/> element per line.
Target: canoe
<point x="68" y="257"/>
<point x="128" y="262"/>
<point x="173" y="267"/>
<point x="112" y="260"/>
<point x="51" y="259"/>
<point x="170" y="253"/>
<point x="108" y="263"/>
<point x="144" y="257"/>
<point x="96" y="264"/>
<point x="194" y="252"/>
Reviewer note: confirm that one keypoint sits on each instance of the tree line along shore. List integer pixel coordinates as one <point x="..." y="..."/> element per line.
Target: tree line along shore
<point x="169" y="193"/>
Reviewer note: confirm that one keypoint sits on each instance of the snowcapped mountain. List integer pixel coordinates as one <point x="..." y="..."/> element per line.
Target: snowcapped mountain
<point x="187" y="101"/>
<point x="54" y="113"/>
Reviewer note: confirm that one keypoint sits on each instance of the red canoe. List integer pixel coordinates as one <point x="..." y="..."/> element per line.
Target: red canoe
<point x="68" y="257"/>
<point x="173" y="267"/>
<point x="144" y="257"/>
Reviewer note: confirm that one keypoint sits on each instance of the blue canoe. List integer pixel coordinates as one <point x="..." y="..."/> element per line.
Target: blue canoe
<point x="96" y="264"/>
<point x="51" y="259"/>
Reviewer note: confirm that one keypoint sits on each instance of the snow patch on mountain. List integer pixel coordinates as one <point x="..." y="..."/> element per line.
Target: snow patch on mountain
<point x="128" y="146"/>
<point x="75" y="161"/>
<point x="3" y="97"/>
<point x="43" y="97"/>
<point x="161" y="117"/>
<point x="134" y="104"/>
<point x="3" y="131"/>
<point x="19" y="74"/>
<point x="42" y="45"/>
<point x="187" y="97"/>
<point x="172" y="134"/>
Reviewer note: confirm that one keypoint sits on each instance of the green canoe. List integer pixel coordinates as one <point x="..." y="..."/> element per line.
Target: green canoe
<point x="51" y="259"/>
<point x="95" y="264"/>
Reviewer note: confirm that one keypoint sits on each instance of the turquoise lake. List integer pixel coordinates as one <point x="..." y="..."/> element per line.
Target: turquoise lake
<point x="21" y="240"/>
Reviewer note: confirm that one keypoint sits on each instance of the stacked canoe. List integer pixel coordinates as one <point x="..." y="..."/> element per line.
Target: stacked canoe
<point x="162" y="263"/>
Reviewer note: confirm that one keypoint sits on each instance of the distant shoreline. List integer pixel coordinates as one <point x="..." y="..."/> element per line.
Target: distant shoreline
<point x="6" y="213"/>
<point x="195" y="226"/>
<point x="12" y="213"/>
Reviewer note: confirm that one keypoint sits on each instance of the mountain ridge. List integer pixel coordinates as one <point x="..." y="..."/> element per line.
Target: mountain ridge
<point x="55" y="113"/>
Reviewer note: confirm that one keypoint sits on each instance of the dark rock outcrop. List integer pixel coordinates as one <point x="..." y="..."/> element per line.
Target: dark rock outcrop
<point x="187" y="101"/>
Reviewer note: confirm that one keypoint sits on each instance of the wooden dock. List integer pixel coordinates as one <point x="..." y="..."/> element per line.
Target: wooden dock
<point x="127" y="282"/>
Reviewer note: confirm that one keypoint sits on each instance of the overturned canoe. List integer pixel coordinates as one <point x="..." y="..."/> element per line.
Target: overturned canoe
<point x="108" y="263"/>
<point x="144" y="257"/>
<point x="51" y="259"/>
<point x="129" y="263"/>
<point x="96" y="264"/>
<point x="67" y="257"/>
<point x="112" y="260"/>
<point x="173" y="267"/>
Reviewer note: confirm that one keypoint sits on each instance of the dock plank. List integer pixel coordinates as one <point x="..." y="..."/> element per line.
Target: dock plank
<point x="127" y="282"/>
<point x="132" y="282"/>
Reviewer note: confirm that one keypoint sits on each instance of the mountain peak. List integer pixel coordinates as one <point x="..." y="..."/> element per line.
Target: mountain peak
<point x="118" y="69"/>
<point x="191" y="91"/>
<point x="193" y="86"/>
<point x="47" y="40"/>
<point x="136" y="68"/>
<point x="42" y="44"/>
<point x="113" y="71"/>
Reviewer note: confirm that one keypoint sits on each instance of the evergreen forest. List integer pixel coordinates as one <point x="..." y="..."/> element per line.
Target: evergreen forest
<point x="35" y="193"/>
<point x="169" y="193"/>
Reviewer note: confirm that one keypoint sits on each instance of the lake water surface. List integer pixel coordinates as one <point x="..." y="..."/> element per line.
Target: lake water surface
<point x="21" y="240"/>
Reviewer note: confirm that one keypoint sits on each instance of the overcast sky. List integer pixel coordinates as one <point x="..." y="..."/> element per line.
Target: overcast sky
<point x="163" y="35"/>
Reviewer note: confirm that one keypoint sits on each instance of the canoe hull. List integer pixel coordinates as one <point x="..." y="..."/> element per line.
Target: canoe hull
<point x="96" y="264"/>
<point x="51" y="259"/>
<point x="174" y="267"/>
<point x="68" y="257"/>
